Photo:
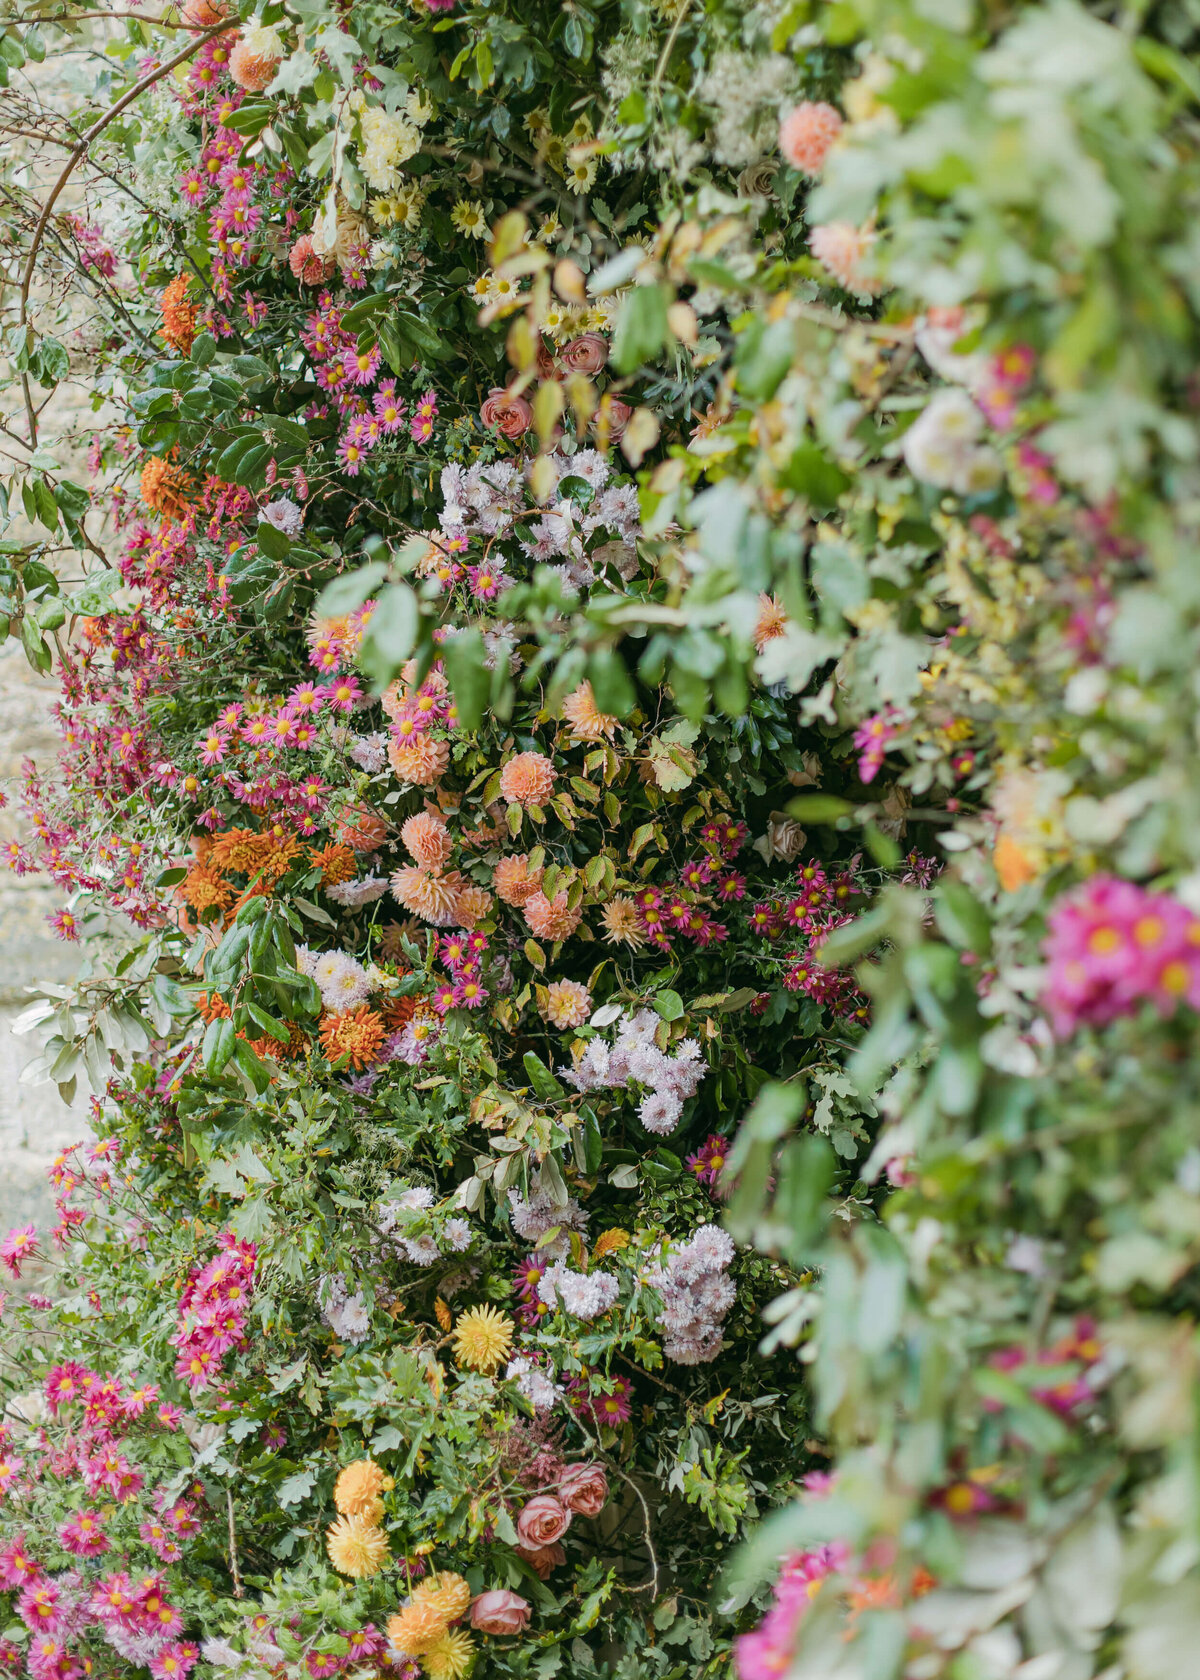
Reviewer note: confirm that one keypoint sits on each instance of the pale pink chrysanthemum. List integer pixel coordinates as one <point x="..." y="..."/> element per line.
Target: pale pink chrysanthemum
<point x="513" y="880"/>
<point x="806" y="134"/>
<point x="842" y="249"/>
<point x="428" y="839"/>
<point x="551" y="921"/>
<point x="528" y="779"/>
<point x="432" y="896"/>
<point x="421" y="760"/>
<point x="622" y="924"/>
<point x="474" y="903"/>
<point x="568" y="1004"/>
<point x="587" y="721"/>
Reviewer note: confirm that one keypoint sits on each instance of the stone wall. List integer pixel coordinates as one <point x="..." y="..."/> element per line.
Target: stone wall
<point x="34" y="1122"/>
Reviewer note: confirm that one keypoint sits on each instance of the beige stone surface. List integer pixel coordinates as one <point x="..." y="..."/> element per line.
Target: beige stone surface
<point x="34" y="1122"/>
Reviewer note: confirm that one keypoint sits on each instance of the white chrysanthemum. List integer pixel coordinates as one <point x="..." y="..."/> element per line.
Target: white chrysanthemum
<point x="388" y="141"/>
<point x="342" y="982"/>
<point x="539" y="1389"/>
<point x="942" y="447"/>
<point x="582" y="1296"/>
<point x="353" y="894"/>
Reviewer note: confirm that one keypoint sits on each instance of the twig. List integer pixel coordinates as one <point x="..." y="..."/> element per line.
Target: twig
<point x="77" y="153"/>
<point x="233" y="1554"/>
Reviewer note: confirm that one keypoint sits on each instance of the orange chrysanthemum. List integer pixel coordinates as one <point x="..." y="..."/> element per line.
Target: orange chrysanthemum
<point x="358" y="1487"/>
<point x="428" y="894"/>
<point x="528" y="779"/>
<point x="428" y="839"/>
<point x="398" y="1012"/>
<point x="358" y="1034"/>
<point x="203" y="888"/>
<point x="238" y="849"/>
<point x="447" y="1592"/>
<point x="179" y="316"/>
<point x="166" y="488"/>
<point x="336" y="863"/>
<point x="280" y="851"/>
<point x="360" y="829"/>
<point x="587" y="721"/>
<point x="422" y="761"/>
<point x="551" y="921"/>
<point x="251" y="70"/>
<point x="418" y="1626"/>
<point x="474" y="903"/>
<point x="513" y="880"/>
<point x="772" y="621"/>
<point x="212" y="1007"/>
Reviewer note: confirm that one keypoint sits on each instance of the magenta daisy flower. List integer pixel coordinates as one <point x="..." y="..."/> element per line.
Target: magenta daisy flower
<point x="421" y="425"/>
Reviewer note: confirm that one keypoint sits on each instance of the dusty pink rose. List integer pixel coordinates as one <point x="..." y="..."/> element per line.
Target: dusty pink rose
<point x="500" y="1611"/>
<point x="585" y="354"/>
<point x="543" y="1521"/>
<point x="583" y="1489"/>
<point x="611" y="418"/>
<point x="309" y="268"/>
<point x="510" y="415"/>
<point x="543" y="1558"/>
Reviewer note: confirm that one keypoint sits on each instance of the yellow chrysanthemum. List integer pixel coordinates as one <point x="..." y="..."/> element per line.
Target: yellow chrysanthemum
<point x="356" y="1547"/>
<point x="415" y="1628"/>
<point x="447" y="1592"/>
<point x="482" y="1338"/>
<point x="450" y="1658"/>
<point x="357" y="1487"/>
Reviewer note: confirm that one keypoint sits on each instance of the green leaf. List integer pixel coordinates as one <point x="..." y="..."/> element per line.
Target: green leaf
<point x="464" y="658"/>
<point x="391" y="633"/>
<point x="641" y="327"/>
<point x="273" y="543"/>
<point x="350" y="590"/>
<point x="668" y="1005"/>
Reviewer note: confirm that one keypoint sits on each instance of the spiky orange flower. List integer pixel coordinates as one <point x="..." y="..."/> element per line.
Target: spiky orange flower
<point x="165" y="488"/>
<point x="281" y="849"/>
<point x="203" y="889"/>
<point x="551" y="921"/>
<point x="513" y="880"/>
<point x="772" y="620"/>
<point x="398" y="1012"/>
<point x="212" y="1007"/>
<point x="358" y="1034"/>
<point x="238" y="849"/>
<point x="421" y="761"/>
<point x="611" y="1241"/>
<point x="358" y="1487"/>
<point x="587" y="721"/>
<point x="179" y="316"/>
<point x="336" y="863"/>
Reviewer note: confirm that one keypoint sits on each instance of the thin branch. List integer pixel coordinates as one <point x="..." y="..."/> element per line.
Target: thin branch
<point x="78" y="152"/>
<point x="238" y="1591"/>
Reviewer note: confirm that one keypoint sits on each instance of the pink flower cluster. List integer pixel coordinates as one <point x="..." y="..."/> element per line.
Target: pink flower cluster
<point x="345" y="373"/>
<point x="94" y="251"/>
<point x="1113" y="945"/>
<point x="766" y="1654"/>
<point x="212" y="1311"/>
<point x="462" y="954"/>
<point x="872" y="737"/>
<point x="814" y="912"/>
<point x="1006" y="377"/>
<point x="1075" y="1356"/>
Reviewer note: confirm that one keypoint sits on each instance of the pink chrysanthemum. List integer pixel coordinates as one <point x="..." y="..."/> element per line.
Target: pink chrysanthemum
<point x="428" y="839"/>
<point x="551" y="920"/>
<point x="428" y="894"/>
